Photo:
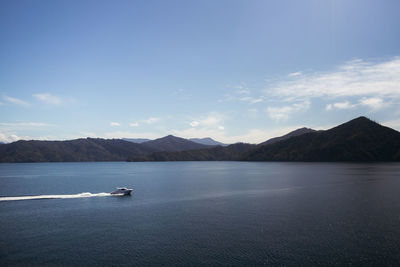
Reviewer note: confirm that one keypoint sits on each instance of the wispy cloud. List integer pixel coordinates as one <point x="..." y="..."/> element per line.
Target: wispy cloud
<point x="48" y="98"/>
<point x="151" y="120"/>
<point x="354" y="78"/>
<point x="374" y="103"/>
<point x="242" y="93"/>
<point x="8" y="138"/>
<point x="283" y="112"/>
<point x="194" y="123"/>
<point x="114" y="124"/>
<point x="212" y="120"/>
<point x="242" y="89"/>
<point x="251" y="100"/>
<point x="340" y="105"/>
<point x="16" y="101"/>
<point x="134" y="124"/>
<point x="294" y="74"/>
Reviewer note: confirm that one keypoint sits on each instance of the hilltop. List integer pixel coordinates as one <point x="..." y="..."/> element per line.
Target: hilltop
<point x="357" y="140"/>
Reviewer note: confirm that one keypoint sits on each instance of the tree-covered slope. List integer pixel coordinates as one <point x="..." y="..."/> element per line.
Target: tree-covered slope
<point x="172" y="143"/>
<point x="231" y="152"/>
<point x="357" y="140"/>
<point x="89" y="149"/>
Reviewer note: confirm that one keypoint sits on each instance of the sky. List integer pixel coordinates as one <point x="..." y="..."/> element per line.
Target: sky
<point x="235" y="71"/>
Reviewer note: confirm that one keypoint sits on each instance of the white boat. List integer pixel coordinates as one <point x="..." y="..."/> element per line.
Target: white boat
<point x="122" y="191"/>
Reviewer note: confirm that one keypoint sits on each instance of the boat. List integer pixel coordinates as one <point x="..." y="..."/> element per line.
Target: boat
<point x="122" y="191"/>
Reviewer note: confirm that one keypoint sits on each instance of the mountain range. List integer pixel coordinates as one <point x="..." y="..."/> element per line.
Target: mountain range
<point x="357" y="140"/>
<point x="204" y="141"/>
<point x="172" y="143"/>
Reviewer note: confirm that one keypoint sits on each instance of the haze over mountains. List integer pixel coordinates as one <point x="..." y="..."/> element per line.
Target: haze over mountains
<point x="357" y="140"/>
<point x="207" y="141"/>
<point x="136" y="140"/>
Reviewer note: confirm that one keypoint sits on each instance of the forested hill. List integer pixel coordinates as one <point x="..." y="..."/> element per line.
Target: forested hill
<point x="88" y="149"/>
<point x="172" y="143"/>
<point x="357" y="140"/>
<point x="231" y="152"/>
<point x="287" y="136"/>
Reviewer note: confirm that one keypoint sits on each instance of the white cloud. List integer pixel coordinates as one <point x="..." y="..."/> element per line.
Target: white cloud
<point x="279" y="113"/>
<point x="354" y="78"/>
<point x="212" y="120"/>
<point x="251" y="100"/>
<point x="194" y="123"/>
<point x="294" y="74"/>
<point x="48" y="98"/>
<point x="134" y="124"/>
<point x="283" y="113"/>
<point x="114" y="124"/>
<point x="242" y="93"/>
<point x="340" y="105"/>
<point x="221" y="128"/>
<point x="374" y="103"/>
<point x="151" y="120"/>
<point x="209" y="121"/>
<point x="8" y="138"/>
<point x="16" y="101"/>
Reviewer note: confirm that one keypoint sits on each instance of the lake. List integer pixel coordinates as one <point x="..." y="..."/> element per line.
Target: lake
<point x="200" y="213"/>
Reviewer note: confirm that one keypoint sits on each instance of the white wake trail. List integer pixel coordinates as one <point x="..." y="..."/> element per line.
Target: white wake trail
<point x="81" y="195"/>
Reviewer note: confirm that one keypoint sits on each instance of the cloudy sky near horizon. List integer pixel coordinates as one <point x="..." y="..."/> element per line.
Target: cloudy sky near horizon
<point x="230" y="70"/>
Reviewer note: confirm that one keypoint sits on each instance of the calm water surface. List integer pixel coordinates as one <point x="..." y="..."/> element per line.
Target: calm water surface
<point x="201" y="213"/>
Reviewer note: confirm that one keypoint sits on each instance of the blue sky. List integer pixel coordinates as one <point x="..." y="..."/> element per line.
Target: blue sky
<point x="230" y="70"/>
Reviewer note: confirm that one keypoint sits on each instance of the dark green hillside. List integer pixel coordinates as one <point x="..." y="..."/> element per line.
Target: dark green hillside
<point x="89" y="149"/>
<point x="357" y="140"/>
<point x="231" y="152"/>
<point x="172" y="143"/>
<point x="287" y="136"/>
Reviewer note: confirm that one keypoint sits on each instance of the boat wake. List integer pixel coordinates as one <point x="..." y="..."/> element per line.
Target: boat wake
<point x="81" y="195"/>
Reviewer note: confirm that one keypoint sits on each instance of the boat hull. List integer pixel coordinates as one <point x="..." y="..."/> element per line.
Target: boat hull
<point x="122" y="192"/>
